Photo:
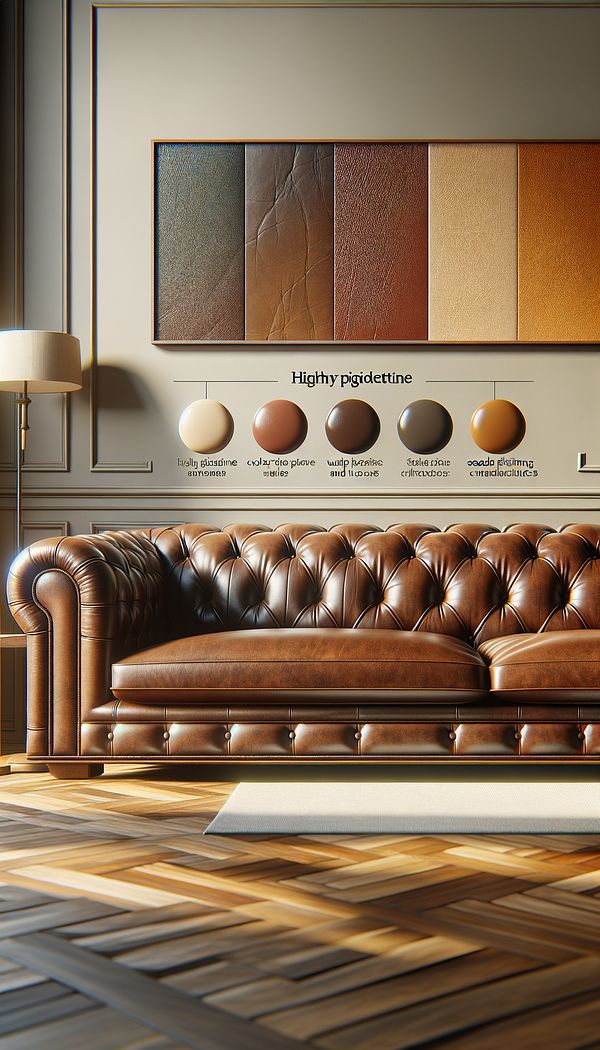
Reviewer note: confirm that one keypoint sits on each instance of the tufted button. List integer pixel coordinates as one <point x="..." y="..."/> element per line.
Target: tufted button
<point x="292" y="735"/>
<point x="357" y="735"/>
<point x="166" y="735"/>
<point x="109" y="736"/>
<point x="517" y="734"/>
<point x="227" y="735"/>
<point x="581" y="735"/>
<point x="451" y="734"/>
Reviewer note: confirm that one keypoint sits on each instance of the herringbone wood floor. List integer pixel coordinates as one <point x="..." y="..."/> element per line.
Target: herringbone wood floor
<point x="121" y="927"/>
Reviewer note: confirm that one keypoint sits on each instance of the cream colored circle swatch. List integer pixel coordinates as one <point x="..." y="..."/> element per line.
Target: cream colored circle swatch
<point x="206" y="426"/>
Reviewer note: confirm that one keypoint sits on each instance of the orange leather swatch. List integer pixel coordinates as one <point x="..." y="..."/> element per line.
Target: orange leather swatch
<point x="559" y="242"/>
<point x="289" y="235"/>
<point x="380" y="241"/>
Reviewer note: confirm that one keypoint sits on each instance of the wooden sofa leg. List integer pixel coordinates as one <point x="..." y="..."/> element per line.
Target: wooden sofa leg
<point x="75" y="770"/>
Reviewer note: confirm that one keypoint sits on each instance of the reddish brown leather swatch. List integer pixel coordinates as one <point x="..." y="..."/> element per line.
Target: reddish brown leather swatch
<point x="380" y="232"/>
<point x="289" y="241"/>
<point x="559" y="242"/>
<point x="199" y="231"/>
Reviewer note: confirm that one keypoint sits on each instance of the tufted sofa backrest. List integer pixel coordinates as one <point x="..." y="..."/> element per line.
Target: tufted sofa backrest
<point x="470" y="581"/>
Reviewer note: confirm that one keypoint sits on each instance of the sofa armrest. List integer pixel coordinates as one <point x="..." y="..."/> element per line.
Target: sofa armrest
<point x="83" y="602"/>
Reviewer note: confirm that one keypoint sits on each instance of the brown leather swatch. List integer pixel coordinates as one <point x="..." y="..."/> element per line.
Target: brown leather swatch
<point x="352" y="426"/>
<point x="380" y="231"/>
<point x="559" y="242"/>
<point x="289" y="241"/>
<point x="280" y="426"/>
<point x="199" y="241"/>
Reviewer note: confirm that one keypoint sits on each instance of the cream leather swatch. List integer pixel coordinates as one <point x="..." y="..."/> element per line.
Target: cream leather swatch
<point x="206" y="426"/>
<point x="472" y="241"/>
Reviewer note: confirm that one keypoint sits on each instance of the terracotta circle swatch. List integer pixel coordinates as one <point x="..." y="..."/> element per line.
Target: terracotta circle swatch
<point x="279" y="426"/>
<point x="352" y="426"/>
<point x="498" y="426"/>
<point x="425" y="426"/>
<point x="206" y="426"/>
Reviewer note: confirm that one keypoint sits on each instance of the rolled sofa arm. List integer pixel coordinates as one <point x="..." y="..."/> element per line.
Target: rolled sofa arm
<point x="83" y="602"/>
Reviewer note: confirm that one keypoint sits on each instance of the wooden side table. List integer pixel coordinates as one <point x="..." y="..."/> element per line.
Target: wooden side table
<point x="17" y="763"/>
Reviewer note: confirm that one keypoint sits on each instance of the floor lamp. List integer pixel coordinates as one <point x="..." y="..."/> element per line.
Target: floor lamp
<point x="33" y="362"/>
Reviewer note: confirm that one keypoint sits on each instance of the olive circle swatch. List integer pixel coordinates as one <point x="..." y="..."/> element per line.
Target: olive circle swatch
<point x="206" y="426"/>
<point x="352" y="426"/>
<point x="498" y="426"/>
<point x="279" y="426"/>
<point x="425" y="426"/>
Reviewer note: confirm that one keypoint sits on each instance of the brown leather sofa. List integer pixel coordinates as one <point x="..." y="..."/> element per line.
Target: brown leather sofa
<point x="297" y="643"/>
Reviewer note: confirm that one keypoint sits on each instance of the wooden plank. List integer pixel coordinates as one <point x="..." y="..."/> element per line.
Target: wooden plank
<point x="42" y="1013"/>
<point x="445" y="981"/>
<point x="47" y="916"/>
<point x="571" y="1025"/>
<point x="159" y="1007"/>
<point x="269" y="995"/>
<point x="465" y="1009"/>
<point x="95" y="1029"/>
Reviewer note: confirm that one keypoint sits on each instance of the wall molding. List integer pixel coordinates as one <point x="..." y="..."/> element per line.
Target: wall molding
<point x="48" y="528"/>
<point x="98" y="466"/>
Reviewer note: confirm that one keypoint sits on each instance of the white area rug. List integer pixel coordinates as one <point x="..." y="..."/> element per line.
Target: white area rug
<point x="409" y="808"/>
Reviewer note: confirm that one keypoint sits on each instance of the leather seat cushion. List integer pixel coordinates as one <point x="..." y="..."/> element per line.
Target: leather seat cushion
<point x="308" y="664"/>
<point x="555" y="666"/>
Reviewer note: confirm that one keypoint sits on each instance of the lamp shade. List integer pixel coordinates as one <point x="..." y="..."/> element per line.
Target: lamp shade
<point x="49" y="362"/>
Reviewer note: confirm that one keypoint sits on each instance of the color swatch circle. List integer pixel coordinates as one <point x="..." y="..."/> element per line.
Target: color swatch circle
<point x="206" y="426"/>
<point x="352" y="426"/>
<point x="498" y="426"/>
<point x="279" y="426"/>
<point x="425" y="426"/>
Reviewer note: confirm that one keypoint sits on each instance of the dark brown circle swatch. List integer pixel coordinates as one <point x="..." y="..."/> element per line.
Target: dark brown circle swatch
<point x="280" y="426"/>
<point x="352" y="426"/>
<point x="498" y="426"/>
<point x="425" y="426"/>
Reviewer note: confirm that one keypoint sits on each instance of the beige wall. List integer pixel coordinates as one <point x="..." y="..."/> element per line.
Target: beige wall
<point x="108" y="457"/>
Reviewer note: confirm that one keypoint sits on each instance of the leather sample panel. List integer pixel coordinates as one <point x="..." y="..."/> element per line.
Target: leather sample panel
<point x="380" y="263"/>
<point x="199" y="242"/>
<point x="289" y="241"/>
<point x="559" y="242"/>
<point x="473" y="241"/>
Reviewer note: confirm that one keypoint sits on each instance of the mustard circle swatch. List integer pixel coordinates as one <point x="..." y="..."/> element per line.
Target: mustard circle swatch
<point x="206" y="426"/>
<point x="498" y="426"/>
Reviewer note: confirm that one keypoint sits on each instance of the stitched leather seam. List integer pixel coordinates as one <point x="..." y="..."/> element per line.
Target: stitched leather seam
<point x="412" y="691"/>
<point x="43" y="572"/>
<point x="49" y="713"/>
<point x="317" y="662"/>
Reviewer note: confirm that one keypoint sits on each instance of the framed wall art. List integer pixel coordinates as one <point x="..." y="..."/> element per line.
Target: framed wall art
<point x="375" y="242"/>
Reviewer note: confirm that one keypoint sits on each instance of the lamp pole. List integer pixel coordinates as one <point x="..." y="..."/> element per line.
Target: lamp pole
<point x="22" y="402"/>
